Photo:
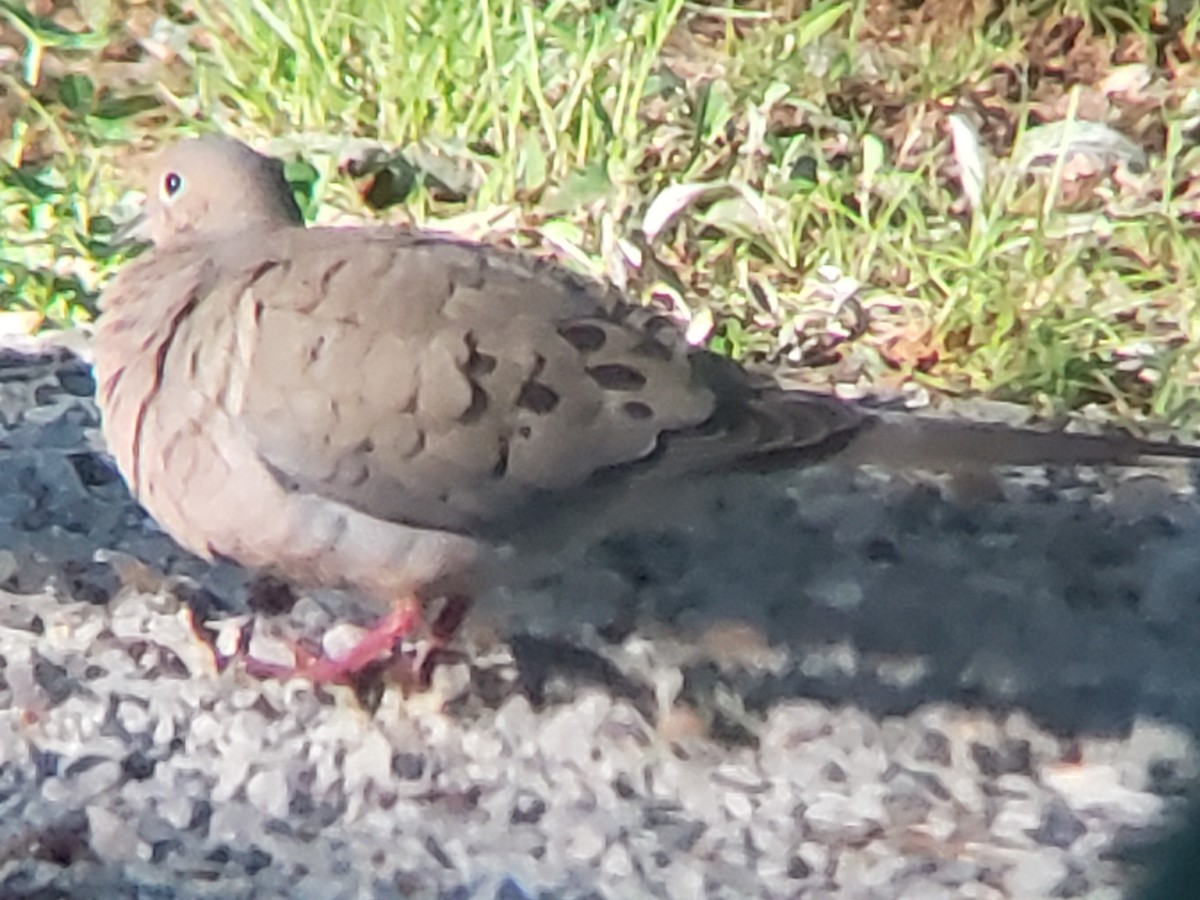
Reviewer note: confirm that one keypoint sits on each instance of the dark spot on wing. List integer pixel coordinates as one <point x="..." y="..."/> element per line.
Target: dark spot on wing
<point x="585" y="338"/>
<point x="635" y="409"/>
<point x="537" y="397"/>
<point x="616" y="377"/>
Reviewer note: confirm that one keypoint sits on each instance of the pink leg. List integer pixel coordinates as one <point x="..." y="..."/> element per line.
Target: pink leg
<point x="379" y="641"/>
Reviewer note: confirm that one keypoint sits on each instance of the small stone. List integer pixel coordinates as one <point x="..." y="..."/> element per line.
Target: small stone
<point x="176" y="810"/>
<point x="798" y="868"/>
<point x="1059" y="827"/>
<point x="617" y="862"/>
<point x="510" y="890"/>
<point x="585" y="844"/>
<point x="834" y="773"/>
<point x="1015" y="819"/>
<point x="527" y="809"/>
<point x="76" y="379"/>
<point x="1012" y="757"/>
<point x="97" y="779"/>
<point x="268" y="790"/>
<point x="740" y="806"/>
<point x="1036" y="874"/>
<point x="1087" y="787"/>
<point x="134" y="717"/>
<point x="906" y="806"/>
<point x="263" y="648"/>
<point x="837" y="660"/>
<point x="338" y="640"/>
<point x="137" y="766"/>
<point x="408" y="766"/>
<point x="934" y="748"/>
<point x="111" y="837"/>
<point x="54" y="680"/>
<point x="836" y="817"/>
<point x="371" y="760"/>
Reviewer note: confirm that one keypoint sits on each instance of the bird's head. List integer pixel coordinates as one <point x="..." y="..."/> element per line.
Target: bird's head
<point x="211" y="187"/>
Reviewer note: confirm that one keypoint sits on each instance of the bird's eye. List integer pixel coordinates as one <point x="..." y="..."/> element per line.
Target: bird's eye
<point x="172" y="184"/>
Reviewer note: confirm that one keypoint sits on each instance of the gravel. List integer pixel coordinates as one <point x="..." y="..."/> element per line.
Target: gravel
<point x="815" y="684"/>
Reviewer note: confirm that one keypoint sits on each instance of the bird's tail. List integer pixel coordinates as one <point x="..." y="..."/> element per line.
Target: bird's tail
<point x="897" y="440"/>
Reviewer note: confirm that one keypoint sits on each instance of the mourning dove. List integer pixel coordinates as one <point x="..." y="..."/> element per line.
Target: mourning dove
<point x="381" y="409"/>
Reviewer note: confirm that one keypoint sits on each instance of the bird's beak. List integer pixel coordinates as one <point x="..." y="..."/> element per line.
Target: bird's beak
<point x="135" y="231"/>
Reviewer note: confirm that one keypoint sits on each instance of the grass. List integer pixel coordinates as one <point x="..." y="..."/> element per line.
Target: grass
<point x="782" y="175"/>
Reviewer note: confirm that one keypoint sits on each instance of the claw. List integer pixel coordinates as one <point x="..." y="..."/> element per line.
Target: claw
<point x="379" y="643"/>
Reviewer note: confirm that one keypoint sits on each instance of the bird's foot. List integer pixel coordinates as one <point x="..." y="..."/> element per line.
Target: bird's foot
<point x="378" y="643"/>
<point x="416" y="672"/>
